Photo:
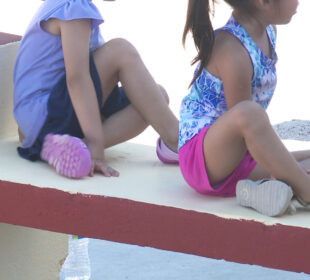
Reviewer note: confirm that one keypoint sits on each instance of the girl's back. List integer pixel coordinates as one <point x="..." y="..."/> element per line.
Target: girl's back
<point x="207" y="100"/>
<point x="40" y="62"/>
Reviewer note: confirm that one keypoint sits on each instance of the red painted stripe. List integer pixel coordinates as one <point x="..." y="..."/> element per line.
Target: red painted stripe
<point x="131" y="222"/>
<point x="6" y="38"/>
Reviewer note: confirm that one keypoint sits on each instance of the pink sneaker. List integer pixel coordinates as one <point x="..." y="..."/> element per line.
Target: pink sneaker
<point x="165" y="154"/>
<point x="67" y="154"/>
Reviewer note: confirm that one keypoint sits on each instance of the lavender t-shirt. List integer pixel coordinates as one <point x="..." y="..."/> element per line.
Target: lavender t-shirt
<point x="40" y="62"/>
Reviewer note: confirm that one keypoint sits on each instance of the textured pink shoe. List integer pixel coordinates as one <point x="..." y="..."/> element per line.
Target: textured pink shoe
<point x="67" y="154"/>
<point x="165" y="154"/>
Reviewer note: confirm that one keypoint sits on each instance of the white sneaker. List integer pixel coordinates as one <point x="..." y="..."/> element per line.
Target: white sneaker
<point x="269" y="197"/>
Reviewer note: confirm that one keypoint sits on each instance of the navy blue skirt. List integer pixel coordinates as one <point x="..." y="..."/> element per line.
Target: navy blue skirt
<point x="61" y="117"/>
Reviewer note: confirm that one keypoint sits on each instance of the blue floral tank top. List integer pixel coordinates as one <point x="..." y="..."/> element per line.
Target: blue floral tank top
<point x="206" y="100"/>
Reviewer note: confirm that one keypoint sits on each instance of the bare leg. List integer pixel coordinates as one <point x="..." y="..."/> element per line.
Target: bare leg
<point x="302" y="157"/>
<point x="118" y="61"/>
<point x="246" y="127"/>
<point x="128" y="121"/>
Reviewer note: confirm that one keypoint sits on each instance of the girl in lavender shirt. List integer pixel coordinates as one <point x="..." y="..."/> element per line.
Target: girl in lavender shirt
<point x="66" y="89"/>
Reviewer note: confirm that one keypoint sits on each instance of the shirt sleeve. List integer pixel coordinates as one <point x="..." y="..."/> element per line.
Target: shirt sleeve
<point x="76" y="9"/>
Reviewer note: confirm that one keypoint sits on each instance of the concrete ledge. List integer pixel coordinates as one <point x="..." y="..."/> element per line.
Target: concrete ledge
<point x="8" y="49"/>
<point x="6" y="38"/>
<point x="149" y="205"/>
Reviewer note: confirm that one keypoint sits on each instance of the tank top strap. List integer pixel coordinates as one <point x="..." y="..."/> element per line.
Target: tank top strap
<point x="258" y="58"/>
<point x="272" y="36"/>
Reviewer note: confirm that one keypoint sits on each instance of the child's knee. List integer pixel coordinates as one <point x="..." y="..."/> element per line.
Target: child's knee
<point x="250" y="115"/>
<point x="124" y="50"/>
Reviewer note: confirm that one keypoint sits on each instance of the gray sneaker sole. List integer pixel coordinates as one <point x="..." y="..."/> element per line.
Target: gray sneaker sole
<point x="270" y="198"/>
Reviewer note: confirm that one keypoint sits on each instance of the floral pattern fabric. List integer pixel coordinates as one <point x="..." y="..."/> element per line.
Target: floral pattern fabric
<point x="206" y="100"/>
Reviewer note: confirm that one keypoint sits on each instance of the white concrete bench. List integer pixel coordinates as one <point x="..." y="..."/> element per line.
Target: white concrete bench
<point x="149" y="204"/>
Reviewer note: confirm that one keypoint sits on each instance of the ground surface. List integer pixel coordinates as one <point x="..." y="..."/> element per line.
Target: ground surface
<point x="113" y="261"/>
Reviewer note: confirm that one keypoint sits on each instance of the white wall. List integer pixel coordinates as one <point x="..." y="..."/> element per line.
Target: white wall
<point x="30" y="254"/>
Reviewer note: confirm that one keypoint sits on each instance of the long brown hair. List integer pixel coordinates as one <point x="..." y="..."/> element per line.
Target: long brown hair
<point x="198" y="22"/>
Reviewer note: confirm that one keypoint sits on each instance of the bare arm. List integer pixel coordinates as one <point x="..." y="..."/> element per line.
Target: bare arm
<point x="233" y="66"/>
<point x="76" y="53"/>
<point x="75" y="36"/>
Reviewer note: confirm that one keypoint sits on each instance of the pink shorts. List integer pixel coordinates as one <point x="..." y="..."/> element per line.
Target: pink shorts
<point x="193" y="168"/>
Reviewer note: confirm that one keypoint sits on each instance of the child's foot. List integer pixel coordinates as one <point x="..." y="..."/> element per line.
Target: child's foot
<point x="67" y="154"/>
<point x="269" y="197"/>
<point x="165" y="154"/>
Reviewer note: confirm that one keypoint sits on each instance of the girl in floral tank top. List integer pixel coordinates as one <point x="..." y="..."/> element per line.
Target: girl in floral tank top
<point x="225" y="137"/>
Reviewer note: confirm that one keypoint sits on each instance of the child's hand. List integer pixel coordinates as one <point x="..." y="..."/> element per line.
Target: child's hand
<point x="98" y="161"/>
<point x="100" y="166"/>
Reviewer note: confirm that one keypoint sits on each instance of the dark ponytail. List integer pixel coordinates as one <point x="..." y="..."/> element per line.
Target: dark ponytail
<point x="198" y="22"/>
